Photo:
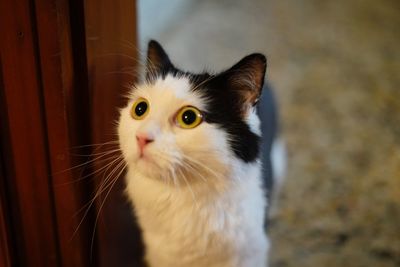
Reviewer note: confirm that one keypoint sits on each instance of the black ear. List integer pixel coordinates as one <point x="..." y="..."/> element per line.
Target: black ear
<point x="247" y="78"/>
<point x="157" y="60"/>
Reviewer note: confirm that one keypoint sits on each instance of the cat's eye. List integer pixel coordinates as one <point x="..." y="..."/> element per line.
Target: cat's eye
<point x="188" y="117"/>
<point x="140" y="109"/>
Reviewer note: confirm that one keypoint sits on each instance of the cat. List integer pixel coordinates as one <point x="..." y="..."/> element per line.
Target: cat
<point x="191" y="143"/>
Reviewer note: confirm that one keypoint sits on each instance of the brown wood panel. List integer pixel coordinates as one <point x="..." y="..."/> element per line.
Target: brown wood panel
<point x="23" y="138"/>
<point x="60" y="90"/>
<point x="64" y="82"/>
<point x="111" y="42"/>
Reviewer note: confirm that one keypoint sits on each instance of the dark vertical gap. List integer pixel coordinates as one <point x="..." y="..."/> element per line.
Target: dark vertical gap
<point x="45" y="127"/>
<point x="6" y="219"/>
<point x="81" y="111"/>
<point x="6" y="190"/>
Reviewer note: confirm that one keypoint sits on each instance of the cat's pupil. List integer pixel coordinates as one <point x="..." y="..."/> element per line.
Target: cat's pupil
<point x="141" y="108"/>
<point x="189" y="117"/>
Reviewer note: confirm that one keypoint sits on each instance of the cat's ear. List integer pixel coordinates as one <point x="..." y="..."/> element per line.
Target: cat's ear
<point x="157" y="60"/>
<point x="247" y="78"/>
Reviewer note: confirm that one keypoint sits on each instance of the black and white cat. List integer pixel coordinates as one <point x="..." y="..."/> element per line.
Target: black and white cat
<point x="192" y="146"/>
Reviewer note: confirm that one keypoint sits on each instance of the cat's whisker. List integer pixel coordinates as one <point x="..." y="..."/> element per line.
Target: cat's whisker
<point x="126" y="70"/>
<point x="97" y="154"/>
<point x="177" y="161"/>
<point x="92" y="173"/>
<point x="190" y="188"/>
<point x="114" y="134"/>
<point x="98" y="144"/>
<point x="130" y="74"/>
<point x="86" y="163"/>
<point x="100" y="190"/>
<point x="203" y="166"/>
<point x="129" y="45"/>
<point x="172" y="162"/>
<point x="127" y="96"/>
<point x="162" y="157"/>
<point x="104" y="201"/>
<point x="174" y="179"/>
<point x="187" y="166"/>
<point x="168" y="181"/>
<point x="168" y="177"/>
<point x="109" y="176"/>
<point x="204" y="82"/>
<point x="99" y="159"/>
<point x="91" y="202"/>
<point x="151" y="68"/>
<point x="137" y="61"/>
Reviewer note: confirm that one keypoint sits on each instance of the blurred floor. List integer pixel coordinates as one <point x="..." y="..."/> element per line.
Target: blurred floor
<point x="335" y="69"/>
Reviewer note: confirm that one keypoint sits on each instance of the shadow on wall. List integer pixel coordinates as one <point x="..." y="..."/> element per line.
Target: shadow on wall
<point x="334" y="66"/>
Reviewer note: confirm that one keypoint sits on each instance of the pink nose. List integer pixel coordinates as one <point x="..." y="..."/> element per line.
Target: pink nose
<point x="142" y="141"/>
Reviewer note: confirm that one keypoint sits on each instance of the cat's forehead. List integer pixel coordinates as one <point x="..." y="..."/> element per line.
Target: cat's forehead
<point x="170" y="91"/>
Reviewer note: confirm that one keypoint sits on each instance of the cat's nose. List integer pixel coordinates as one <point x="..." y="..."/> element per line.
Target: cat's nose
<point x="143" y="140"/>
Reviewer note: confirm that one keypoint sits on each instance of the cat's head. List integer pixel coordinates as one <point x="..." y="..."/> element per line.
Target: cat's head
<point x="199" y="126"/>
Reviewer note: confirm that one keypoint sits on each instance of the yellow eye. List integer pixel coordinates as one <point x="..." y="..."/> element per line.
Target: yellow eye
<point x="140" y="109"/>
<point x="188" y="117"/>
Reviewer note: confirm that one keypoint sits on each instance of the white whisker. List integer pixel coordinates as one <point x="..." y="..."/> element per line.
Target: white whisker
<point x="203" y="166"/>
<point x="98" y="193"/>
<point x="92" y="173"/>
<point x="190" y="189"/>
<point x="104" y="201"/>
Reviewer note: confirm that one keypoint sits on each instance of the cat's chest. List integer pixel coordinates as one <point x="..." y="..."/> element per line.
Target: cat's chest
<point x="173" y="206"/>
<point x="186" y="222"/>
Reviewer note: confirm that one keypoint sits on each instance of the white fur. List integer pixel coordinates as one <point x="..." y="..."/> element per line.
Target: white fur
<point x="210" y="214"/>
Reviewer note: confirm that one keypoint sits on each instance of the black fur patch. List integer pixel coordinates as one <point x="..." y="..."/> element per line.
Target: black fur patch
<point x="224" y="104"/>
<point x="224" y="110"/>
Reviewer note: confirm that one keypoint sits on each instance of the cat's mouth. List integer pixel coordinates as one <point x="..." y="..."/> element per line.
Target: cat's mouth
<point x="150" y="165"/>
<point x="146" y="160"/>
<point x="144" y="157"/>
<point x="142" y="152"/>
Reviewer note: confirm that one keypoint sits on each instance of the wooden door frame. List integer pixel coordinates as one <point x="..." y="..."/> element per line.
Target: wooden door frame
<point x="48" y="104"/>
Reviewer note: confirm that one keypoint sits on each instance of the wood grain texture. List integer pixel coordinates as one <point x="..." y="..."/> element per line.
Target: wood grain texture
<point x="112" y="57"/>
<point x="56" y="97"/>
<point x="25" y="146"/>
<point x="61" y="46"/>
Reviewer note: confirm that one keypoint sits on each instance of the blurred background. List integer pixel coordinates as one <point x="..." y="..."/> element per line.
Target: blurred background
<point x="334" y="67"/>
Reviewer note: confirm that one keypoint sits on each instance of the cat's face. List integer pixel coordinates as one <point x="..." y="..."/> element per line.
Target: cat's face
<point x="171" y="147"/>
<point x="179" y="124"/>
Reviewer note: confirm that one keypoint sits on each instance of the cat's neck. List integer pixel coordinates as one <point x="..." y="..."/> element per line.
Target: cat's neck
<point x="199" y="188"/>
